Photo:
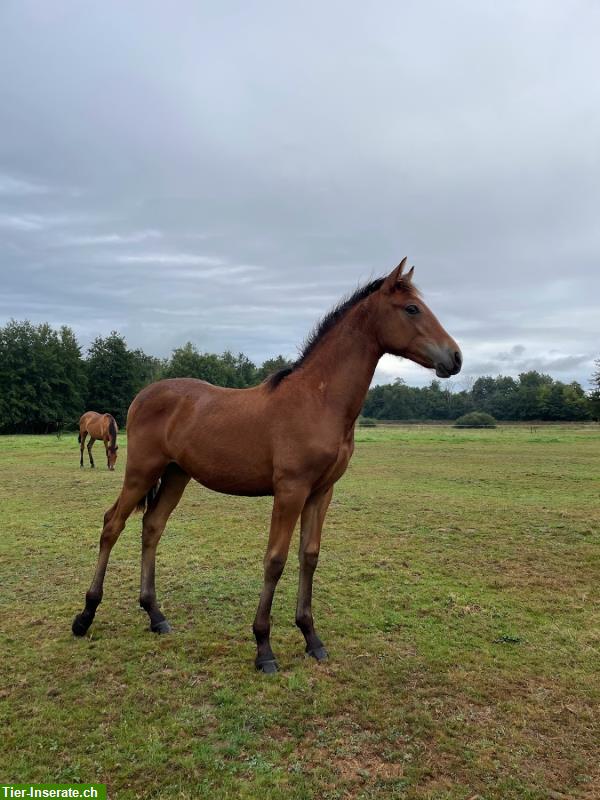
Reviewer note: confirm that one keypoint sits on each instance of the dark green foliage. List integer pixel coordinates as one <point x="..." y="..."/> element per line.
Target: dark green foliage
<point x="532" y="396"/>
<point x="595" y="393"/>
<point x="475" y="419"/>
<point x="42" y="378"/>
<point x="367" y="422"/>
<point x="112" y="370"/>
<point x="226" y="370"/>
<point x="146" y="369"/>
<point x="272" y="365"/>
<point x="46" y="384"/>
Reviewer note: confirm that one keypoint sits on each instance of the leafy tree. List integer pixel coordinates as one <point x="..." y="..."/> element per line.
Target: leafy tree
<point x="72" y="386"/>
<point x="111" y="370"/>
<point x="42" y="377"/>
<point x="45" y="383"/>
<point x="596" y="376"/>
<point x="146" y="369"/>
<point x="187" y="362"/>
<point x="270" y="366"/>
<point x="564" y="402"/>
<point x="496" y="396"/>
<point x="240" y="371"/>
<point x="532" y="396"/>
<point x="594" y="399"/>
<point x="224" y="370"/>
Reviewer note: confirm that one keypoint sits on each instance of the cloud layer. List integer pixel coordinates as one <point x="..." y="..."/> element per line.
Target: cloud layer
<point x="224" y="174"/>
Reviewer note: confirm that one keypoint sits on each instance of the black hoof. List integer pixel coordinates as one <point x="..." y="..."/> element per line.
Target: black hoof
<point x="268" y="667"/>
<point x="161" y="627"/>
<point x="318" y="653"/>
<point x="79" y="627"/>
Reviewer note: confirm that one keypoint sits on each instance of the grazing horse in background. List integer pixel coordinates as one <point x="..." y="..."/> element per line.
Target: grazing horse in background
<point x="291" y="437"/>
<point x="99" y="426"/>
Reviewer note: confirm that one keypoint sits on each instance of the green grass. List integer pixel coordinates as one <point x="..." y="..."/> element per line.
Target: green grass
<point x="458" y="593"/>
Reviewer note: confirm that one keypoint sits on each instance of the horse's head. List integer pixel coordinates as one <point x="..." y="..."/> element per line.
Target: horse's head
<point x="111" y="456"/>
<point x="407" y="327"/>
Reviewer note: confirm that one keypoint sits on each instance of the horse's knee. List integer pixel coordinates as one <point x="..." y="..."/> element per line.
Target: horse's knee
<point x="107" y="537"/>
<point x="274" y="566"/>
<point x="152" y="530"/>
<point x="309" y="559"/>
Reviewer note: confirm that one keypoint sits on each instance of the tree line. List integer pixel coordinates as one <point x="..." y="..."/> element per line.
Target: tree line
<point x="47" y="382"/>
<point x="531" y="396"/>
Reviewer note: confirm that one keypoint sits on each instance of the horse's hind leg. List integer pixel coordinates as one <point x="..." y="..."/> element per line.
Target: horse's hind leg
<point x="172" y="486"/>
<point x="89" y="449"/>
<point x="82" y="438"/>
<point x="134" y="489"/>
<point x="313" y="515"/>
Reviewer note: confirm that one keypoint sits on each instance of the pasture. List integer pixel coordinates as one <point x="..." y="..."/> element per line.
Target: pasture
<point x="458" y="593"/>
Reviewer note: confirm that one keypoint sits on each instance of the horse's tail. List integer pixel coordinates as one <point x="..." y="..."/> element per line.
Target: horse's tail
<point x="148" y="497"/>
<point x="79" y="437"/>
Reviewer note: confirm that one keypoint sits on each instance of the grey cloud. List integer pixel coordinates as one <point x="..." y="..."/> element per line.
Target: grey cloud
<point x="17" y="187"/>
<point x="93" y="240"/>
<point x="224" y="174"/>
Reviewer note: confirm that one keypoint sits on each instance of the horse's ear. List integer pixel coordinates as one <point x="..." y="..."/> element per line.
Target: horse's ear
<point x="389" y="284"/>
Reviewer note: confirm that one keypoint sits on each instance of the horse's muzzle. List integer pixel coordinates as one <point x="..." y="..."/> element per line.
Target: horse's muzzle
<point x="450" y="365"/>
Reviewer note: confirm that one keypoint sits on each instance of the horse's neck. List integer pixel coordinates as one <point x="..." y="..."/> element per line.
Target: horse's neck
<point x="341" y="367"/>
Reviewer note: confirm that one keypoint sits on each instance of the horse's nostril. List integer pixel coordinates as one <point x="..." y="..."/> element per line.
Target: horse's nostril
<point x="458" y="358"/>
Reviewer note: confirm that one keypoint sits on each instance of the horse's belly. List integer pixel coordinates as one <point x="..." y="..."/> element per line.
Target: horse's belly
<point x="230" y="475"/>
<point x="243" y="488"/>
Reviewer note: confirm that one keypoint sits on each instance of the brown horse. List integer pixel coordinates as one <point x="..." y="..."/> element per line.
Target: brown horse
<point x="98" y="426"/>
<point x="292" y="437"/>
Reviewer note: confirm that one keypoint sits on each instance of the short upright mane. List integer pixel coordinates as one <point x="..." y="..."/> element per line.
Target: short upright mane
<point x="329" y="321"/>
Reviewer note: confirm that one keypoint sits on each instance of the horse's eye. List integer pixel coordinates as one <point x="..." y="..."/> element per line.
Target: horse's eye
<point x="412" y="310"/>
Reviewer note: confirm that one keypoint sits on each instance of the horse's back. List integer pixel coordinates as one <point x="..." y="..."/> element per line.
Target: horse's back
<point x="89" y="418"/>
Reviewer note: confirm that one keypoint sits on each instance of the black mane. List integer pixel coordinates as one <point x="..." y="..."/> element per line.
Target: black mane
<point x="323" y="327"/>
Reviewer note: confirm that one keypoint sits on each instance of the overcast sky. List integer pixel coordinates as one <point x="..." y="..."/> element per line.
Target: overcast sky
<point x="223" y="172"/>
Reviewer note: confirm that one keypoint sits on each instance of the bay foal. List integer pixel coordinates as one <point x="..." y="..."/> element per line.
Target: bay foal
<point x="291" y="437"/>
<point x="98" y="426"/>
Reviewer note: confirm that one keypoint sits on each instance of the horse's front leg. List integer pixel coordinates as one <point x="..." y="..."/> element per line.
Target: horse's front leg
<point x="287" y="505"/>
<point x="89" y="449"/>
<point x="313" y="515"/>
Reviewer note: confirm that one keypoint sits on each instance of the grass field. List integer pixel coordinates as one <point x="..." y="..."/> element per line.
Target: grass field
<point x="458" y="593"/>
